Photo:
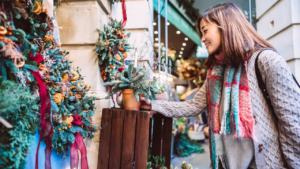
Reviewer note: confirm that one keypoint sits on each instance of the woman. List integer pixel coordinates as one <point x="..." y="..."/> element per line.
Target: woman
<point x="244" y="131"/>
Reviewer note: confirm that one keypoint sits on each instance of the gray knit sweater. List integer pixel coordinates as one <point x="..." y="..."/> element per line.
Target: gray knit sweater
<point x="278" y="139"/>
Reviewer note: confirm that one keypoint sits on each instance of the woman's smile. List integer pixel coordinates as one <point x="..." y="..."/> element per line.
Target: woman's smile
<point x="206" y="45"/>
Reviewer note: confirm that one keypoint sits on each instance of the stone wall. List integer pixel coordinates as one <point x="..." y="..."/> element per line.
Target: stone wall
<point x="279" y="23"/>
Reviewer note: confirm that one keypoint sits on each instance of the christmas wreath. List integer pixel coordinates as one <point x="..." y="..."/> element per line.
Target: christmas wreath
<point x="30" y="56"/>
<point x="112" y="48"/>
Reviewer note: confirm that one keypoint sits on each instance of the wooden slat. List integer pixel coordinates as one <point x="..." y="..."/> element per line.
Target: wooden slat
<point x="141" y="145"/>
<point x="157" y="136"/>
<point x="128" y="139"/>
<point x="167" y="140"/>
<point x="116" y="139"/>
<point x="103" y="156"/>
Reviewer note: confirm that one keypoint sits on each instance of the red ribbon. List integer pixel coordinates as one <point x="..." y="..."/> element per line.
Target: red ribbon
<point x="38" y="58"/>
<point x="45" y="111"/>
<point x="124" y="13"/>
<point x="80" y="144"/>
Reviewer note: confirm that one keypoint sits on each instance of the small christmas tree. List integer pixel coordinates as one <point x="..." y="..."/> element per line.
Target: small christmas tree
<point x="134" y="78"/>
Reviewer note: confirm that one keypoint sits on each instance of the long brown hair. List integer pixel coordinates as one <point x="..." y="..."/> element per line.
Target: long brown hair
<point x="237" y="34"/>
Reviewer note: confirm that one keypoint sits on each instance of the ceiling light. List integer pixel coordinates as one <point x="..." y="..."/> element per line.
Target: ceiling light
<point x="154" y="23"/>
<point x="156" y="44"/>
<point x="178" y="32"/>
<point x="155" y="32"/>
<point x="183" y="44"/>
<point x="168" y="23"/>
<point x="179" y="56"/>
<point x="182" y="48"/>
<point x="186" y="39"/>
<point x="156" y="39"/>
<point x="181" y="52"/>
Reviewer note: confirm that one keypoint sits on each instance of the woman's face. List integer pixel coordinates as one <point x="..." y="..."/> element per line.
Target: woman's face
<point x="211" y="36"/>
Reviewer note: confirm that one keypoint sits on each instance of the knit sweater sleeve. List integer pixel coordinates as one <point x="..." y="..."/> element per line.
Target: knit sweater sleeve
<point x="182" y="109"/>
<point x="285" y="98"/>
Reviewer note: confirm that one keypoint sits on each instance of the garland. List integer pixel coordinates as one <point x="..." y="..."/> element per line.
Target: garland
<point x="27" y="45"/>
<point x="112" y="48"/>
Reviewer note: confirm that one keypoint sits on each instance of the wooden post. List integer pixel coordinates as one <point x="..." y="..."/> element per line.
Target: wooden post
<point x="157" y="136"/>
<point x="141" y="145"/>
<point x="167" y="140"/>
<point x="128" y="139"/>
<point x="116" y="139"/>
<point x="103" y="156"/>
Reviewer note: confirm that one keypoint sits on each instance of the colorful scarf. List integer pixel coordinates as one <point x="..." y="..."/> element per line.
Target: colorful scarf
<point x="237" y="116"/>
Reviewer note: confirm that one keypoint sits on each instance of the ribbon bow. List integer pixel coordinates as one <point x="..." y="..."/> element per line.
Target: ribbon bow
<point x="80" y="144"/>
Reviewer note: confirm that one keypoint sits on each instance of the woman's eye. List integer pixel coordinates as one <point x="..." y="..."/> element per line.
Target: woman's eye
<point x="205" y="31"/>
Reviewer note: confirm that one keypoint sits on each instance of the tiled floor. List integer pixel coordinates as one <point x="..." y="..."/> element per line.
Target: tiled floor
<point x="200" y="161"/>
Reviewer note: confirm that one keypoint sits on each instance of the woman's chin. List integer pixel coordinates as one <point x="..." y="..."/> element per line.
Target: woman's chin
<point x="211" y="51"/>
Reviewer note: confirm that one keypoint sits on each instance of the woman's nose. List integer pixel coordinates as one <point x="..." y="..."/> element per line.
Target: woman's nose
<point x="203" y="39"/>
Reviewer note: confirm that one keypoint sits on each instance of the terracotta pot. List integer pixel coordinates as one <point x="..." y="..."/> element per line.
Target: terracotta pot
<point x="129" y="100"/>
<point x="162" y="96"/>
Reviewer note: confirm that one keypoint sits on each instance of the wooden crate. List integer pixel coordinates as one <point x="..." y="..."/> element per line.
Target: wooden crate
<point x="126" y="136"/>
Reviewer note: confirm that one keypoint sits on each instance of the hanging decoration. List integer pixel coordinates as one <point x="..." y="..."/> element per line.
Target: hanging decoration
<point x="30" y="57"/>
<point x="112" y="48"/>
<point x="123" y="10"/>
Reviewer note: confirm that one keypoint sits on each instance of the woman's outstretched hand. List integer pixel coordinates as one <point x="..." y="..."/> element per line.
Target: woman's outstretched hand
<point x="146" y="103"/>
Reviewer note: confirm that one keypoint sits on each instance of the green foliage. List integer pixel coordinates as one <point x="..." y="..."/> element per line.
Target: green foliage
<point x="156" y="160"/>
<point x="136" y="79"/>
<point x="111" y="48"/>
<point x="21" y="110"/>
<point x="162" y="161"/>
<point x="114" y="1"/>
<point x="190" y="10"/>
<point x="184" y="146"/>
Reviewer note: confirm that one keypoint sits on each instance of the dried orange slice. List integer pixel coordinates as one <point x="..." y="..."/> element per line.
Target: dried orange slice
<point x="37" y="8"/>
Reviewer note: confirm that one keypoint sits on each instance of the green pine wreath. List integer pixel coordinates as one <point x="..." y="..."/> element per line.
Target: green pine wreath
<point x="25" y="30"/>
<point x="112" y="48"/>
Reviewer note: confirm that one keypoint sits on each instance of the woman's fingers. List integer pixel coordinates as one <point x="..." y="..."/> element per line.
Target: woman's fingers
<point x="145" y="100"/>
<point x="145" y="107"/>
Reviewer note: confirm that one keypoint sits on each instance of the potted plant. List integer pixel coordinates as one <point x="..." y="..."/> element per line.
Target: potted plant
<point x="162" y="95"/>
<point x="133" y="83"/>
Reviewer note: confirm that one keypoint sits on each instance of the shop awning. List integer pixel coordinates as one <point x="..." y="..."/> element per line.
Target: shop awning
<point x="178" y="21"/>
